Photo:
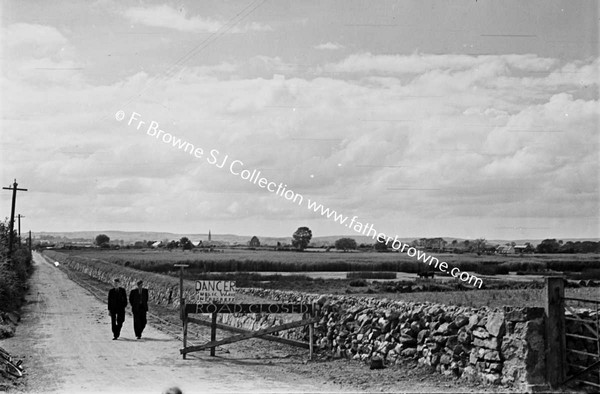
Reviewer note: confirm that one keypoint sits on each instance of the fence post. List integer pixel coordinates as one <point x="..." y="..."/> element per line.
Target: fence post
<point x="555" y="331"/>
<point x="185" y="329"/>
<point x="311" y="332"/>
<point x="213" y="332"/>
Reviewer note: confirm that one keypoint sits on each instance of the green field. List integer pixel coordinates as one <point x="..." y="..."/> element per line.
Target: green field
<point x="238" y="260"/>
<point x="490" y="298"/>
<point x="246" y="266"/>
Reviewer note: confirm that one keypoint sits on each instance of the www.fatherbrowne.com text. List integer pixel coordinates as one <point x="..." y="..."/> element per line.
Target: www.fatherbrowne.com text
<point x="236" y="167"/>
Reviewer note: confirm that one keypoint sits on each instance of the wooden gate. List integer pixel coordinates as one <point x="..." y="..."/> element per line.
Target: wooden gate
<point x="582" y="342"/>
<point x="214" y="309"/>
<point x="573" y="338"/>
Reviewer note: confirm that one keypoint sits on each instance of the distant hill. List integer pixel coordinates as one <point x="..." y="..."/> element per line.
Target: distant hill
<point x="133" y="236"/>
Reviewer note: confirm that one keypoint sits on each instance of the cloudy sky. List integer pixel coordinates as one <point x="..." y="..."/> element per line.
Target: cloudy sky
<point x="424" y="118"/>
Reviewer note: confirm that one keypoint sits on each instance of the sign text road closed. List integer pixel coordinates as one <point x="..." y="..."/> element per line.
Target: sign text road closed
<point x="215" y="291"/>
<point x="248" y="308"/>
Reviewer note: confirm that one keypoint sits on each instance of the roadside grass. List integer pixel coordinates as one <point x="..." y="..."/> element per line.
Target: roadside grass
<point x="492" y="298"/>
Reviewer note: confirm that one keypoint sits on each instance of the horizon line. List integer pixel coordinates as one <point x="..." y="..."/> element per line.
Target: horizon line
<point x="314" y="237"/>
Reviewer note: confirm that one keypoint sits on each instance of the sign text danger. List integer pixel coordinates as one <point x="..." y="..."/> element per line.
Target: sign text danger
<point x="215" y="290"/>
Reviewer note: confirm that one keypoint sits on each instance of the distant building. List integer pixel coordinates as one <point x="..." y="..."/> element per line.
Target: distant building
<point x="521" y="249"/>
<point x="254" y="242"/>
<point x="209" y="237"/>
<point x="431" y="244"/>
<point x="505" y="249"/>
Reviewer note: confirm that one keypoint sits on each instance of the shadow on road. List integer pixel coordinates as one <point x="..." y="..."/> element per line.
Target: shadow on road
<point x="146" y="339"/>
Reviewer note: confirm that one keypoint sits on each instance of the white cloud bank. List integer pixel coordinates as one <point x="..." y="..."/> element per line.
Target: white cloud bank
<point x="330" y="46"/>
<point x="417" y="144"/>
<point x="170" y="18"/>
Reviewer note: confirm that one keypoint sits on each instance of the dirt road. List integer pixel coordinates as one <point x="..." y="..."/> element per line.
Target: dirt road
<point x="66" y="342"/>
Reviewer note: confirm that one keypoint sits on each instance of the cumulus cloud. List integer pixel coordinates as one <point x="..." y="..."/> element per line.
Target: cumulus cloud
<point x="168" y="17"/>
<point x="44" y="38"/>
<point x="39" y="54"/>
<point x="330" y="46"/>
<point x="420" y="63"/>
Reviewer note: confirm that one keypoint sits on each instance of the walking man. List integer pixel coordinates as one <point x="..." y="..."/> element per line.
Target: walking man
<point x="138" y="298"/>
<point x="117" y="301"/>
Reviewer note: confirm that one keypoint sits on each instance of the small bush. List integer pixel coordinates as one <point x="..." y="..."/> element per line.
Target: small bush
<point x="495" y="269"/>
<point x="13" y="279"/>
<point x="572" y="266"/>
<point x="358" y="283"/>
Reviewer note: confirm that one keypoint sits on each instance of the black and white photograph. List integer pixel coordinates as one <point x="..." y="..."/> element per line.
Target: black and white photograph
<point x="299" y="196"/>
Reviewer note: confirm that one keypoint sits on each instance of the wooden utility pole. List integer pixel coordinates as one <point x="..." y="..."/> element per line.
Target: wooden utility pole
<point x="182" y="313"/>
<point x="19" y="216"/>
<point x="14" y="189"/>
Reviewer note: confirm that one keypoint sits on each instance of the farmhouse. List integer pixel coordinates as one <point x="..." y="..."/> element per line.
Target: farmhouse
<point x="505" y="249"/>
<point x="521" y="249"/>
<point x="431" y="244"/>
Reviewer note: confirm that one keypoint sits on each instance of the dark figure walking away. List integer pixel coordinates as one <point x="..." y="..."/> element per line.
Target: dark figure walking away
<point x="117" y="301"/>
<point x="138" y="298"/>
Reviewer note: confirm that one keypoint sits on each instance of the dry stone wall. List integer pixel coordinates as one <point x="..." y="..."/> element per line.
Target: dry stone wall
<point x="162" y="289"/>
<point x="486" y="345"/>
<point x="492" y="346"/>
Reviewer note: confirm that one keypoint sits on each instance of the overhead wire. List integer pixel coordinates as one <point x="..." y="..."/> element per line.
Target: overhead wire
<point x="213" y="37"/>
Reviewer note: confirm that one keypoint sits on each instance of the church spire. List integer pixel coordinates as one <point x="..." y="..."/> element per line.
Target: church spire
<point x="209" y="238"/>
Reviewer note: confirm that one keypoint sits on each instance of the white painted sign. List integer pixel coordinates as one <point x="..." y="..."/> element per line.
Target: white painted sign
<point x="220" y="291"/>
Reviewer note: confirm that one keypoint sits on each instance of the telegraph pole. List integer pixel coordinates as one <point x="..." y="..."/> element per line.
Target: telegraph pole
<point x="19" y="216"/>
<point x="182" y="313"/>
<point x="14" y="189"/>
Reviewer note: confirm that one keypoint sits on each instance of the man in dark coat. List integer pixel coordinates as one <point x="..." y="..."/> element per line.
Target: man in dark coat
<point x="117" y="301"/>
<point x="138" y="298"/>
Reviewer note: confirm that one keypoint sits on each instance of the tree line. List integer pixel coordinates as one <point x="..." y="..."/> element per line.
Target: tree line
<point x="302" y="236"/>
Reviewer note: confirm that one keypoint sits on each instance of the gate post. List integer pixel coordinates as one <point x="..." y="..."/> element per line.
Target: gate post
<point x="554" y="305"/>
<point x="185" y="328"/>
<point x="213" y="332"/>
